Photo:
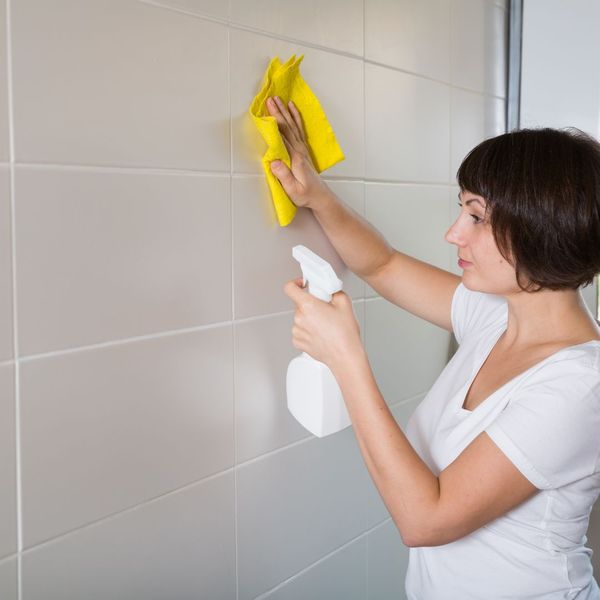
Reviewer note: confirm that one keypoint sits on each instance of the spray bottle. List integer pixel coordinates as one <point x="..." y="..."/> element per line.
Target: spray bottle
<point x="313" y="394"/>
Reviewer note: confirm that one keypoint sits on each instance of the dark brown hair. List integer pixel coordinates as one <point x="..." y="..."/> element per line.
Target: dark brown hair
<point x="542" y="188"/>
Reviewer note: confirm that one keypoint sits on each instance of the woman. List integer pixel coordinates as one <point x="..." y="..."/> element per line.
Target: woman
<point x="492" y="486"/>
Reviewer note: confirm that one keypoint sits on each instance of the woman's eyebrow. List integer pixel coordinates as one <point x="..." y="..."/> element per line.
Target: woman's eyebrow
<point x="472" y="200"/>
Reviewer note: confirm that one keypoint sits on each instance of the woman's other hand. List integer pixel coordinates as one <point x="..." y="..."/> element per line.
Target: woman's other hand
<point x="327" y="331"/>
<point x="302" y="183"/>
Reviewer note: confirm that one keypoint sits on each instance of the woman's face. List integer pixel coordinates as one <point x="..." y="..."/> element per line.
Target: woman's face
<point x="484" y="268"/>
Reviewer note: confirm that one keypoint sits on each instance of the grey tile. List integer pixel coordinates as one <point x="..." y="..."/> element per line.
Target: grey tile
<point x="407" y="126"/>
<point x="105" y="429"/>
<point x="296" y="505"/>
<point x="387" y="563"/>
<point x="409" y="34"/>
<point x="181" y="546"/>
<point x="310" y="21"/>
<point x="105" y="256"/>
<point x="341" y="97"/>
<point x="340" y="575"/>
<point x="8" y="463"/>
<point x="406" y="353"/>
<point x="263" y="260"/>
<point x="6" y="271"/>
<point x="134" y="93"/>
<point x="8" y="579"/>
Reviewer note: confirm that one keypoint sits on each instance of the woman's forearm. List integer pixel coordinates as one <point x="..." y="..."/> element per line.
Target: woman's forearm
<point x="406" y="484"/>
<point x="362" y="248"/>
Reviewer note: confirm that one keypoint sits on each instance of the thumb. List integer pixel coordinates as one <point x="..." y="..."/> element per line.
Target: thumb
<point x="285" y="176"/>
<point x="341" y="298"/>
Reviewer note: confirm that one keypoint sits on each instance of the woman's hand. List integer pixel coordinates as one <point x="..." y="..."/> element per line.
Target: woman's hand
<point x="302" y="183"/>
<point x="327" y="331"/>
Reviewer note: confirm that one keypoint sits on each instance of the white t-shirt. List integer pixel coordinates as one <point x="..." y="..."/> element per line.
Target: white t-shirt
<point x="547" y="422"/>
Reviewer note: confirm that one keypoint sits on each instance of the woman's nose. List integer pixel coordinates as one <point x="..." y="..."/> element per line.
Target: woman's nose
<point x="453" y="235"/>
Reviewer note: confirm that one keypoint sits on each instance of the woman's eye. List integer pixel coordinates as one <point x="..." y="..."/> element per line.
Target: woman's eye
<point x="476" y="219"/>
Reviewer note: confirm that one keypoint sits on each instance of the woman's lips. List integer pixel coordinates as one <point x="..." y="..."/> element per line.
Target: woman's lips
<point x="463" y="264"/>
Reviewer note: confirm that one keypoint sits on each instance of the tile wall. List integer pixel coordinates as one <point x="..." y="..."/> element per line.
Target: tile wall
<point x="145" y="446"/>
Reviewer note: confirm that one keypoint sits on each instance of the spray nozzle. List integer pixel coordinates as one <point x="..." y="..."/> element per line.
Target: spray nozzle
<point x="322" y="280"/>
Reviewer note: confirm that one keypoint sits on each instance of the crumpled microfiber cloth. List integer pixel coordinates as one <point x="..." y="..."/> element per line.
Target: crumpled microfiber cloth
<point x="286" y="82"/>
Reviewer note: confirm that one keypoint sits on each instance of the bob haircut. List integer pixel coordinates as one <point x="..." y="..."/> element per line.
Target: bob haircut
<point x="542" y="188"/>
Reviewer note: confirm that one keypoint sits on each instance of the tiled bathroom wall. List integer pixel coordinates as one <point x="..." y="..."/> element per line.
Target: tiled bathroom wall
<point x="146" y="451"/>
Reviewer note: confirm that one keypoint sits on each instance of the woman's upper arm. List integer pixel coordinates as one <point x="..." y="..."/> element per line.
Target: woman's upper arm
<point x="481" y="485"/>
<point x="418" y="287"/>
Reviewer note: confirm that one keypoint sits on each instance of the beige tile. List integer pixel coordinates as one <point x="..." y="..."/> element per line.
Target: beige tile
<point x="336" y="24"/>
<point x="105" y="429"/>
<point x="8" y="463"/>
<point x="181" y="546"/>
<point x="474" y="118"/>
<point x="479" y="37"/>
<point x="8" y="579"/>
<point x="387" y="563"/>
<point x="4" y="139"/>
<point x="496" y="69"/>
<point x="263" y="350"/>
<point x="145" y="87"/>
<point x="213" y="8"/>
<point x="413" y="219"/>
<point x="263" y="260"/>
<point x="6" y="271"/>
<point x="105" y="255"/>
<point x="409" y="34"/>
<point x="295" y="506"/>
<point x="467" y="127"/>
<point x="340" y="96"/>
<point x="407" y="126"/>
<point x="495" y="116"/>
<point x="406" y="353"/>
<point x="340" y="575"/>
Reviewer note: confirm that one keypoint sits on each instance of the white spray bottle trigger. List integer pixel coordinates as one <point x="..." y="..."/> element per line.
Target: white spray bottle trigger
<point x="322" y="280"/>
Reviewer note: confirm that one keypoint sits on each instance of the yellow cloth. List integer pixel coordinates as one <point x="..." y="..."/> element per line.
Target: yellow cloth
<point x="286" y="82"/>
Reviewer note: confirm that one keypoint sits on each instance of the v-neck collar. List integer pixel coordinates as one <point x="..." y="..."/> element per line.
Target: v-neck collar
<point x="478" y="365"/>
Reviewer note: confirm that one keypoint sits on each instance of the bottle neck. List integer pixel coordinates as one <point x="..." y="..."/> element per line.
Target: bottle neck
<point x="318" y="293"/>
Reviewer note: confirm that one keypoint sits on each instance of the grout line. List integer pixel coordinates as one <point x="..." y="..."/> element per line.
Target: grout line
<point x="233" y="328"/>
<point x="364" y="534"/>
<point x="6" y="559"/>
<point x="220" y="174"/>
<point x="298" y="42"/>
<point x="128" y="509"/>
<point x="122" y="169"/>
<point x="234" y="469"/>
<point x="152" y="336"/>
<point x="17" y="387"/>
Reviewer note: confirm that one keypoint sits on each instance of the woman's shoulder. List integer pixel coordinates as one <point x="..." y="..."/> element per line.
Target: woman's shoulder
<point x="574" y="369"/>
<point x="473" y="311"/>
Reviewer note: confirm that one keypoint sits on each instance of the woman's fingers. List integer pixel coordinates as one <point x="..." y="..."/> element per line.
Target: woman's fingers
<point x="284" y="126"/>
<point x="298" y="120"/>
<point x="288" y="118"/>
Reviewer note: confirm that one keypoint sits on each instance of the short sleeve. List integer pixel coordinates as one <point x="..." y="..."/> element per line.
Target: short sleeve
<point x="472" y="311"/>
<point x="550" y="430"/>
